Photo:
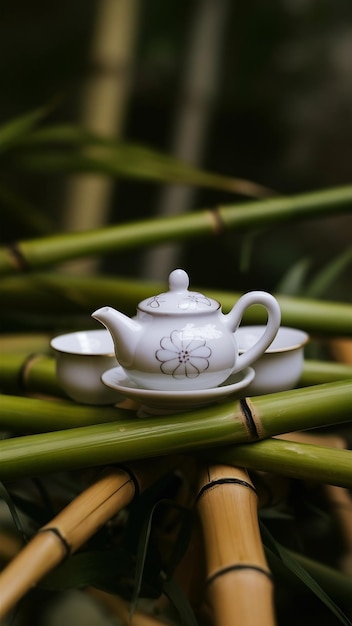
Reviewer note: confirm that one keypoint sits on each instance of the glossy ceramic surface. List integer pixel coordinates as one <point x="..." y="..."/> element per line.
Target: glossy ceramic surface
<point x="181" y="341"/>
<point x="81" y="358"/>
<point x="280" y="367"/>
<point x="234" y="386"/>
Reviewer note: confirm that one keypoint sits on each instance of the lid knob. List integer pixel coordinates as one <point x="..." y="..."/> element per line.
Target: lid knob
<point x="178" y="280"/>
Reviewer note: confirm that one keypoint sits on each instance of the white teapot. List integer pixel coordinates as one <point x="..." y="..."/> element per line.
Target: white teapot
<point x="181" y="340"/>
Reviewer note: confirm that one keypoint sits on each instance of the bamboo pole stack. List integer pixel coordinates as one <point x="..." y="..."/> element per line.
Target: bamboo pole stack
<point x="72" y="527"/>
<point x="127" y="438"/>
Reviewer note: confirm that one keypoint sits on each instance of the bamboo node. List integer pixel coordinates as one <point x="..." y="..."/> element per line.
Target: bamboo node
<point x="237" y="567"/>
<point x="19" y="260"/>
<point x="224" y="481"/>
<point x="25" y="370"/>
<point x="218" y="224"/>
<point x="249" y="419"/>
<point x="53" y="529"/>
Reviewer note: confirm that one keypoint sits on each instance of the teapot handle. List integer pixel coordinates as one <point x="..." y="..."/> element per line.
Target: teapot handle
<point x="272" y="326"/>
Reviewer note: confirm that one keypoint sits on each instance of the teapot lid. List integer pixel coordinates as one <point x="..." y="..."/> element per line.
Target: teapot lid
<point x="178" y="299"/>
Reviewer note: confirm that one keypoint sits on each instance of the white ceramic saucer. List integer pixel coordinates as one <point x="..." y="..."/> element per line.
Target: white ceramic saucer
<point x="166" y="401"/>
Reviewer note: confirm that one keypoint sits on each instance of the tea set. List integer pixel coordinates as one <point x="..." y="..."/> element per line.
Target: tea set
<point x="179" y="351"/>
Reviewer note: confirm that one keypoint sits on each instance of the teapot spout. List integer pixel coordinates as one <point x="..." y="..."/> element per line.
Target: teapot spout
<point x="124" y="331"/>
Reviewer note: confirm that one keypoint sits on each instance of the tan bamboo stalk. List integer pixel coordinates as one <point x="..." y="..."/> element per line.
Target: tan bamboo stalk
<point x="103" y="109"/>
<point x="64" y="534"/>
<point x="239" y="585"/>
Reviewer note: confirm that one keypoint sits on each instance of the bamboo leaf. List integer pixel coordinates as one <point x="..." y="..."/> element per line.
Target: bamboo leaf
<point x="293" y="281"/>
<point x="65" y="135"/>
<point x="4" y="494"/>
<point x="337" y="584"/>
<point x="89" y="153"/>
<point x="296" y="568"/>
<point x="13" y="131"/>
<point x="143" y="544"/>
<point x="142" y="550"/>
<point x="247" y="248"/>
<point x="182" y="540"/>
<point x="34" y="511"/>
<point x="328" y="275"/>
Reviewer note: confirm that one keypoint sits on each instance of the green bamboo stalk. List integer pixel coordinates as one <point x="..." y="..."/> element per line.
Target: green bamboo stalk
<point x="28" y="373"/>
<point x="49" y="293"/>
<point x="302" y="461"/>
<point x="31" y="415"/>
<point x="318" y="372"/>
<point x="46" y="251"/>
<point x="133" y="438"/>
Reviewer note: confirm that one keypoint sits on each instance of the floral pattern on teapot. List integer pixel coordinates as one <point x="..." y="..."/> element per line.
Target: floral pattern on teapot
<point x="183" y="357"/>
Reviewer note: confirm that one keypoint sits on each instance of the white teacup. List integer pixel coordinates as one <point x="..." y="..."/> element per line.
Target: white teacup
<point x="81" y="358"/>
<point x="280" y="367"/>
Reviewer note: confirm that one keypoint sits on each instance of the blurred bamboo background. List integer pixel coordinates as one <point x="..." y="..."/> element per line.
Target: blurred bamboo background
<point x="267" y="87"/>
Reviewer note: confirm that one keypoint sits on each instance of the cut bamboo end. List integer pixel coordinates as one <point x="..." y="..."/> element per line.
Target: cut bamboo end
<point x="235" y="561"/>
<point x="330" y="440"/>
<point x="342" y="350"/>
